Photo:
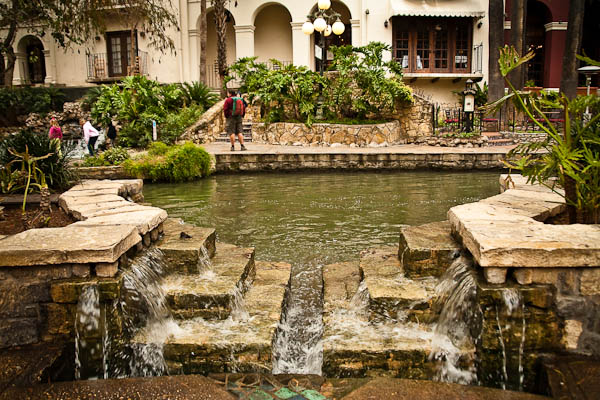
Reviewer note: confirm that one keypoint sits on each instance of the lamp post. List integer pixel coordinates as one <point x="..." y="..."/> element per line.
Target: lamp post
<point x="469" y="105"/>
<point x="588" y="71"/>
<point x="321" y="21"/>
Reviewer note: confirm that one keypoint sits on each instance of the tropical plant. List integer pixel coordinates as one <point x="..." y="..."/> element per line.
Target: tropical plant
<point x="198" y="93"/>
<point x="113" y="156"/>
<point x="567" y="159"/>
<point x="180" y="163"/>
<point x="176" y="123"/>
<point x="57" y="170"/>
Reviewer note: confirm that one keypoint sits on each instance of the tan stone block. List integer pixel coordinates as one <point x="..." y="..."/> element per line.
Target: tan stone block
<point x="590" y="281"/>
<point x="107" y="270"/>
<point x="571" y="334"/>
<point x="545" y="275"/>
<point x="523" y="275"/>
<point x="81" y="270"/>
<point x="495" y="275"/>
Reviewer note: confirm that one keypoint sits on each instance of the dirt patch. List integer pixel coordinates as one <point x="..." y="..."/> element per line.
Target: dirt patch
<point x="13" y="222"/>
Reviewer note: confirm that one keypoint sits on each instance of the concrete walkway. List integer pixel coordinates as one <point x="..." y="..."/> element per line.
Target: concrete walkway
<point x="259" y="148"/>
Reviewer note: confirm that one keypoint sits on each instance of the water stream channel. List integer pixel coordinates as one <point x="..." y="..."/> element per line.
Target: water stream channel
<point x="314" y="219"/>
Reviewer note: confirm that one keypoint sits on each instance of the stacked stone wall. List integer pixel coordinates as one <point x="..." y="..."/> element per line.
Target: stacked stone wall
<point x="68" y="120"/>
<point x="208" y="128"/>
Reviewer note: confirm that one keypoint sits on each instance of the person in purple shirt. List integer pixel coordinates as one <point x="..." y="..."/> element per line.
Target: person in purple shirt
<point x="55" y="131"/>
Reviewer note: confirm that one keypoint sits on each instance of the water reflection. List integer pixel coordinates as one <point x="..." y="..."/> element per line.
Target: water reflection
<point x="308" y="218"/>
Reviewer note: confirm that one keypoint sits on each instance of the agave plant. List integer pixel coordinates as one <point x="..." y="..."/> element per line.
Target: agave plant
<point x="572" y="155"/>
<point x="198" y="93"/>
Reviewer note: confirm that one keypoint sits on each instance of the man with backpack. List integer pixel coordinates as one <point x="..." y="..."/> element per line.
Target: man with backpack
<point x="234" y="110"/>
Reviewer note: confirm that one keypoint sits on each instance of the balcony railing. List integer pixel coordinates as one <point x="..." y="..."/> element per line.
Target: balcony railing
<point x="98" y="68"/>
<point x="215" y="83"/>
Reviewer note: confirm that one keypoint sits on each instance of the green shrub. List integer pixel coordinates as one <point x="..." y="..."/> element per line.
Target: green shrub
<point x="56" y="168"/>
<point x="112" y="156"/>
<point x="136" y="103"/>
<point x="177" y="123"/>
<point x="180" y="163"/>
<point x="199" y="94"/>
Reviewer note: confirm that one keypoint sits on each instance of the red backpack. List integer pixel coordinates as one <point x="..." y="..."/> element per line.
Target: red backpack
<point x="238" y="106"/>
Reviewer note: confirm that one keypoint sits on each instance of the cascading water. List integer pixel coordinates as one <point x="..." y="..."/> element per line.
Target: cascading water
<point x="297" y="347"/>
<point x="89" y="340"/>
<point x="458" y="317"/>
<point x="143" y="304"/>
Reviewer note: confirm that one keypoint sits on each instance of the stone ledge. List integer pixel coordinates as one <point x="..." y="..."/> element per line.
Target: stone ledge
<point x="72" y="244"/>
<point x="505" y="230"/>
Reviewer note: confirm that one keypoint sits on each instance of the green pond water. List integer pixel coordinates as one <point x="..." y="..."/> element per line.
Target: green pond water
<point x="319" y="217"/>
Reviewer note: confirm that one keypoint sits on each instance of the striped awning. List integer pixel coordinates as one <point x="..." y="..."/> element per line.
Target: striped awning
<point x="437" y="8"/>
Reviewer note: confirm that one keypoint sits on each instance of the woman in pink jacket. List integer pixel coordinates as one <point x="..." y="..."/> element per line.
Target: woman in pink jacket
<point x="55" y="131"/>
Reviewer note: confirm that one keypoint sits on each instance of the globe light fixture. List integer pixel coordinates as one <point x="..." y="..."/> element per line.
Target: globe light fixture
<point x="338" y="27"/>
<point x="320" y="24"/>
<point x="308" y="28"/>
<point x="327" y="31"/>
<point x="324" y="4"/>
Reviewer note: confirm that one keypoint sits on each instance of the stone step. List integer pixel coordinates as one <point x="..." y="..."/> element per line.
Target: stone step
<point x="210" y="294"/>
<point x="427" y="250"/>
<point x="182" y="245"/>
<point x="393" y="296"/>
<point x="500" y="142"/>
<point x="242" y="344"/>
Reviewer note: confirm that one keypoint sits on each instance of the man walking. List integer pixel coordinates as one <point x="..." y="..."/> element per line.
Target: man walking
<point x="234" y="110"/>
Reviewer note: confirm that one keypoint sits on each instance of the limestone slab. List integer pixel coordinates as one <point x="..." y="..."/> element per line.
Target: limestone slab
<point x="75" y="244"/>
<point x="426" y="250"/>
<point x="144" y="221"/>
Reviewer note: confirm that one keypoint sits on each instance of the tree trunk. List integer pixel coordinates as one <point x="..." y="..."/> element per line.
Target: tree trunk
<point x="2" y="67"/>
<point x="221" y="25"/>
<point x="203" y="39"/>
<point x="496" y="41"/>
<point x="518" y="18"/>
<point x="568" y="82"/>
<point x="9" y="53"/>
<point x="571" y="199"/>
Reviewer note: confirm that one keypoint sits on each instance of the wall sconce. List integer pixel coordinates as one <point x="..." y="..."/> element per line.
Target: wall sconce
<point x="142" y="34"/>
<point x="367" y="11"/>
<point x="385" y="23"/>
<point x="479" y="25"/>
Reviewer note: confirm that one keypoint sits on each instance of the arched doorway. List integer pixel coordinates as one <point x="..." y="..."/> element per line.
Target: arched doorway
<point x="273" y="34"/>
<point x="212" y="71"/>
<point x="332" y="40"/>
<point x="537" y="16"/>
<point x="33" y="64"/>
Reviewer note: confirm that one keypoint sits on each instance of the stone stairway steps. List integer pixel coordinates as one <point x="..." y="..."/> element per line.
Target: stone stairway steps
<point x="240" y="344"/>
<point x="353" y="345"/>
<point x="246" y="132"/>
<point x="497" y="139"/>
<point x="182" y="245"/>
<point x="393" y="296"/>
<point x="210" y="294"/>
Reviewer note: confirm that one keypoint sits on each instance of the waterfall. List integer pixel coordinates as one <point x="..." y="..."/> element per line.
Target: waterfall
<point x="452" y="334"/>
<point x="89" y="341"/>
<point x="143" y="304"/>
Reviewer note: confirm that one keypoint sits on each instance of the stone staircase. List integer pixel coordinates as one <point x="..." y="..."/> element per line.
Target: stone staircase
<point x="496" y="139"/>
<point x="378" y="311"/>
<point x="227" y="306"/>
<point x="246" y="129"/>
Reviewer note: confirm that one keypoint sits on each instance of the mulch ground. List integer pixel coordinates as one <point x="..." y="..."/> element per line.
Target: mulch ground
<point x="12" y="221"/>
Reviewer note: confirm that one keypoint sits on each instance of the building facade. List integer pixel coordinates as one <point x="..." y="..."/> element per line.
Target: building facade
<point x="440" y="43"/>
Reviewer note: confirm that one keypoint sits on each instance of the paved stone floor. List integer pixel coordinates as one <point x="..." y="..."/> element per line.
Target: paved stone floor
<point x="220" y="148"/>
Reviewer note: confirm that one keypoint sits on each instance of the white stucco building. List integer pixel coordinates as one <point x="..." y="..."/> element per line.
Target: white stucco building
<point x="440" y="43"/>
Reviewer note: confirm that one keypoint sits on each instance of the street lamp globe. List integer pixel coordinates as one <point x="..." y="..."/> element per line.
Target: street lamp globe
<point x="308" y="28"/>
<point x="338" y="27"/>
<point x="320" y="24"/>
<point x="324" y="4"/>
<point x="327" y="31"/>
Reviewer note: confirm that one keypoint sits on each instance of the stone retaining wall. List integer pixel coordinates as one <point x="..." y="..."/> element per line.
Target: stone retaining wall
<point x="208" y="128"/>
<point x="33" y="307"/>
<point x="524" y="137"/>
<point x="477" y="141"/>
<point x="235" y="162"/>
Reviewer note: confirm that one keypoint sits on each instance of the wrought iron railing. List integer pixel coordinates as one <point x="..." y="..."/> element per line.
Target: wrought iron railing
<point x="98" y="68"/>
